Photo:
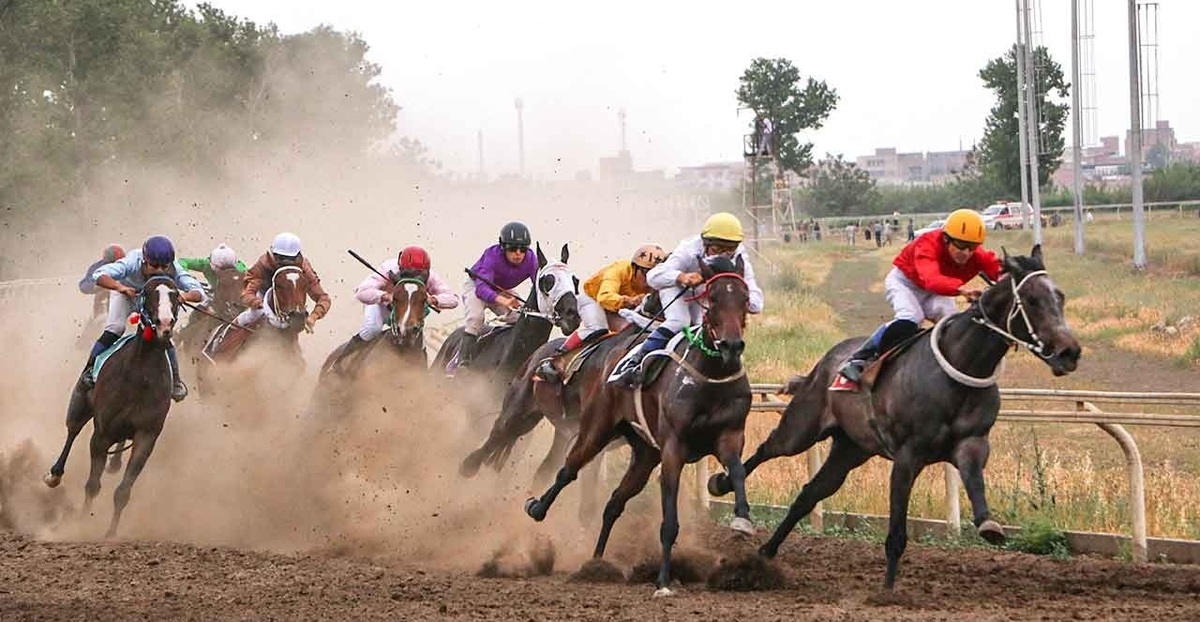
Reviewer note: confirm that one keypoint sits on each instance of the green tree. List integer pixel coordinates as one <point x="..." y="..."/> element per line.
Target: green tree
<point x="840" y="188"/>
<point x="772" y="89"/>
<point x="999" y="151"/>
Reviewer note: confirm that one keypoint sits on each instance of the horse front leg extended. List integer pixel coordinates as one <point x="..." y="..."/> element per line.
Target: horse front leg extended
<point x="78" y="414"/>
<point x="143" y="445"/>
<point x="729" y="452"/>
<point x="904" y="472"/>
<point x="970" y="456"/>
<point x="672" y="465"/>
<point x="844" y="456"/>
<point x="798" y="430"/>
<point x="641" y="465"/>
<point x="589" y="443"/>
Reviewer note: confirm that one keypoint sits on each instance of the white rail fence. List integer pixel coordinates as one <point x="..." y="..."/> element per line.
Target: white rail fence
<point x="1042" y="406"/>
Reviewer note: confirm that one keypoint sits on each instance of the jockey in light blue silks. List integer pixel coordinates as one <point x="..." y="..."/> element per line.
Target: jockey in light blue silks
<point x="722" y="235"/>
<point x="125" y="278"/>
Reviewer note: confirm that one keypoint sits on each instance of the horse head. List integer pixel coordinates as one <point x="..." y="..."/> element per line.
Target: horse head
<point x="410" y="304"/>
<point x="1031" y="309"/>
<point x="557" y="289"/>
<point x="158" y="309"/>
<point x="227" y="290"/>
<point x="288" y="305"/>
<point x="728" y="301"/>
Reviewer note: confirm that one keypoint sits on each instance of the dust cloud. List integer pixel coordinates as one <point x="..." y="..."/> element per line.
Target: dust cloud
<point x="256" y="466"/>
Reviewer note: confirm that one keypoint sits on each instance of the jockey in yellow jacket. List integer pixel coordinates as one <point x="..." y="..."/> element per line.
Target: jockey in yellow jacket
<point x="620" y="285"/>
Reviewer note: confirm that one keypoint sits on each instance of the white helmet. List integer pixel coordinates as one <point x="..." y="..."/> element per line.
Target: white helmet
<point x="222" y="257"/>
<point x="286" y="244"/>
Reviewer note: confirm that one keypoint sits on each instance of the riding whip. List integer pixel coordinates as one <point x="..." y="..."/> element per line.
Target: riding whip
<point x="213" y="315"/>
<point x="381" y="275"/>
<point x="471" y="273"/>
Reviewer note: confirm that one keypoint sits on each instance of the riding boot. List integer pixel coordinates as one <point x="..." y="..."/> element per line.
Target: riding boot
<point x="886" y="337"/>
<point x="104" y="342"/>
<point x="631" y="372"/>
<point x="178" y="389"/>
<point x="466" y="352"/>
<point x="546" y="370"/>
<point x="355" y="344"/>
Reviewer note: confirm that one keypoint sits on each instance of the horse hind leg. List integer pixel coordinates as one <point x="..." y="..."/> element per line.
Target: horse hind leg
<point x="587" y="445"/>
<point x="844" y="456"/>
<point x="78" y="414"/>
<point x="641" y="465"/>
<point x="143" y="445"/>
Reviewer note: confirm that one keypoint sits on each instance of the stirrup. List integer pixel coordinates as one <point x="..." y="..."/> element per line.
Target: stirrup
<point x="546" y="371"/>
<point x="842" y="383"/>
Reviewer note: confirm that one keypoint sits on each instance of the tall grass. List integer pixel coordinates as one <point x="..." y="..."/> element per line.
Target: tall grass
<point x="1071" y="477"/>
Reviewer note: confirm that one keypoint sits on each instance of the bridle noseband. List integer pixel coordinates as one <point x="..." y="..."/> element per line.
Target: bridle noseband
<point x="704" y="299"/>
<point x="1017" y="308"/>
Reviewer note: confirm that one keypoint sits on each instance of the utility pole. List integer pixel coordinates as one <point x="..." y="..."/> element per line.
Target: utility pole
<point x="1022" y="121"/>
<point x="1033" y="127"/>
<point x="520" y="137"/>
<point x="1076" y="129"/>
<point x="1135" y="142"/>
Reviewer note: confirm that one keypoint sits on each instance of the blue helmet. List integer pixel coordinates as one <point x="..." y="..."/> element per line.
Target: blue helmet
<point x="158" y="250"/>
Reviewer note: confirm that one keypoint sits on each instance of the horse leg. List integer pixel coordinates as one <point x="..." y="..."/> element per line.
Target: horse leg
<point x="970" y="456"/>
<point x="798" y="430"/>
<point x="844" y="456"/>
<point x="729" y="451"/>
<point x="672" y="465"/>
<point x="589" y="443"/>
<point x="904" y="473"/>
<point x="78" y="414"/>
<point x="558" y="450"/>
<point x="143" y="444"/>
<point x="641" y="465"/>
<point x="518" y="416"/>
<point x="98" y="449"/>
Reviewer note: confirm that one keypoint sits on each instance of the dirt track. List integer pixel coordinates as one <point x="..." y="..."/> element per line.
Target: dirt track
<point x="829" y="579"/>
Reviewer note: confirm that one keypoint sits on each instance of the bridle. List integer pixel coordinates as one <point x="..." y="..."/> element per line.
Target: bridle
<point x="703" y="297"/>
<point x="275" y="315"/>
<point x="414" y="334"/>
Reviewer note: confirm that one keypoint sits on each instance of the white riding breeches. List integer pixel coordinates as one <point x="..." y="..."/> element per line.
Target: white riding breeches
<point x="373" y="319"/>
<point x="250" y="316"/>
<point x="592" y="316"/>
<point x="680" y="313"/>
<point x="474" y="309"/>
<point x="119" y="308"/>
<point x="913" y="303"/>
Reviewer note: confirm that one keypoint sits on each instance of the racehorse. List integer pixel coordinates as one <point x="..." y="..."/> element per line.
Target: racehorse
<point x="932" y="399"/>
<point x="696" y="406"/>
<point x="500" y="355"/>
<point x="286" y="306"/>
<point x="130" y="399"/>
<point x="404" y="329"/>
<point x="225" y="295"/>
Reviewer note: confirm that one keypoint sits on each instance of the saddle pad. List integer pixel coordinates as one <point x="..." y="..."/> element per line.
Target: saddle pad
<point x="652" y="364"/>
<point x="575" y="359"/>
<point x="103" y="357"/>
<point x="872" y="371"/>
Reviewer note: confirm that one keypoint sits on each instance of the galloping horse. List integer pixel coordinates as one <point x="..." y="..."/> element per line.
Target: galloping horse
<point x="285" y="303"/>
<point x="226" y="303"/>
<point x="697" y="406"/>
<point x="933" y="399"/>
<point x="500" y="355"/>
<point x="404" y="329"/>
<point x="131" y="397"/>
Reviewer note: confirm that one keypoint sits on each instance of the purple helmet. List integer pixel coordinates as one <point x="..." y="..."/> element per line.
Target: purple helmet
<point x="158" y="250"/>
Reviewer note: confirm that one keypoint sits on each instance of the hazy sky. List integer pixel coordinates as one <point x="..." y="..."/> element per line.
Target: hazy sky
<point x="905" y="71"/>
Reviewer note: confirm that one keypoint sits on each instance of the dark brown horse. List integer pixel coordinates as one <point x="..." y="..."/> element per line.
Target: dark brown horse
<point x="696" y="406"/>
<point x="932" y="401"/>
<point x="131" y="397"/>
<point x="225" y="303"/>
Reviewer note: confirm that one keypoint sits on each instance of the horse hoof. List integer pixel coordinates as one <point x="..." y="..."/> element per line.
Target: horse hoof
<point x="663" y="591"/>
<point x="718" y="485"/>
<point x="534" y="510"/>
<point x="470" y="466"/>
<point x="52" y="480"/>
<point x="742" y="526"/>
<point x="992" y="532"/>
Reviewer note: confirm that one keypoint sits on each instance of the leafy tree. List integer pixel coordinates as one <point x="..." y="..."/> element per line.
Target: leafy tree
<point x="840" y="188"/>
<point x="772" y="89"/>
<point x="999" y="151"/>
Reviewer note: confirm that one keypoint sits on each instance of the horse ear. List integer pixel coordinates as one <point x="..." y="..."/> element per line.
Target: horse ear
<point x="541" y="256"/>
<point x="565" y="253"/>
<point x="740" y="264"/>
<point x="1011" y="265"/>
<point x="1036" y="253"/>
<point x="706" y="270"/>
<point x="576" y="280"/>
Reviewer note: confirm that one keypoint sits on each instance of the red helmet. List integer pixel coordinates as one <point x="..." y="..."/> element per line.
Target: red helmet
<point x="414" y="258"/>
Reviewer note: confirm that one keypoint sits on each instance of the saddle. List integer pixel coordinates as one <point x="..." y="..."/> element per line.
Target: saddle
<point x="871" y="373"/>
<point x="568" y="363"/>
<point x="492" y="330"/>
<point x="652" y="364"/>
<point x="225" y="341"/>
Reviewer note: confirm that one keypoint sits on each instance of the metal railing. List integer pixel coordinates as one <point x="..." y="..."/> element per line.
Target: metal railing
<point x="1039" y="406"/>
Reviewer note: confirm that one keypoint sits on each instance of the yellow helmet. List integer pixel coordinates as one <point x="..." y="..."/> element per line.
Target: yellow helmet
<point x="723" y="226"/>
<point x="965" y="225"/>
<point x="648" y="256"/>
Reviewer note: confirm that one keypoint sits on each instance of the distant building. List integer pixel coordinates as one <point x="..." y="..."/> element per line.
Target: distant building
<point x="890" y="167"/>
<point x="722" y="176"/>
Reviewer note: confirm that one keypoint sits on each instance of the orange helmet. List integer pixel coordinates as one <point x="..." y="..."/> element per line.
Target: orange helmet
<point x="648" y="256"/>
<point x="965" y="225"/>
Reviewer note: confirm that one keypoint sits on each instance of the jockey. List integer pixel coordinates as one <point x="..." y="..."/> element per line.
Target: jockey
<point x="505" y="264"/>
<point x="620" y="285"/>
<point x="124" y="278"/>
<point x="221" y="258"/>
<point x="722" y="235"/>
<point x="926" y="276"/>
<point x="87" y="285"/>
<point x="284" y="251"/>
<point x="376" y="293"/>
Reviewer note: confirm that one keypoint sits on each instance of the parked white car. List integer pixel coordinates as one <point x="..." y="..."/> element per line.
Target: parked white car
<point x="937" y="224"/>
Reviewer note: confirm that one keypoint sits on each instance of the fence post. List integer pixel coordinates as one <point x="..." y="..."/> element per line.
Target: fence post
<point x="816" y="518"/>
<point x="953" y="510"/>
<point x="1137" y="484"/>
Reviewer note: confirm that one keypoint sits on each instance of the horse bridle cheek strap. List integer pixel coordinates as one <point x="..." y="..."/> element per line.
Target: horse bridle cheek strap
<point x="1035" y="344"/>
